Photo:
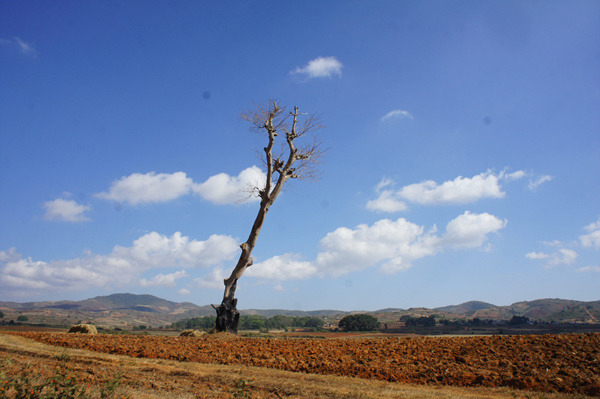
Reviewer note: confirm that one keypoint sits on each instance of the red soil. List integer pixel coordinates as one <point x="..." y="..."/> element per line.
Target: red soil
<point x="548" y="363"/>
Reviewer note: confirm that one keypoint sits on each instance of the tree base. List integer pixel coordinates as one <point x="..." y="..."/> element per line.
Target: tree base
<point x="228" y="317"/>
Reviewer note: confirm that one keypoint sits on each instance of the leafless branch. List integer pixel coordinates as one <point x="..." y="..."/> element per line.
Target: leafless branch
<point x="260" y="114"/>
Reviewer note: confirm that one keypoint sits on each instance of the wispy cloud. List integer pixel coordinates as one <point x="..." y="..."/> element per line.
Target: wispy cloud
<point x="322" y="67"/>
<point x="534" y="184"/>
<point x="23" y="47"/>
<point x="537" y="255"/>
<point x="595" y="269"/>
<point x="397" y="114"/>
<point x="592" y="239"/>
<point x="560" y="257"/>
<point x="508" y="177"/>
<point x="562" y="253"/>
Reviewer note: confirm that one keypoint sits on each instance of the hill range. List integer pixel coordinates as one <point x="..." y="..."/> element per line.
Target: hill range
<point x="131" y="310"/>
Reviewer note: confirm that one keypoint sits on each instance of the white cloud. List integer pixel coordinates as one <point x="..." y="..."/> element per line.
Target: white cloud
<point x="155" y="250"/>
<point x="592" y="239"/>
<point x="65" y="210"/>
<point x="555" y="243"/>
<point x="164" y="280"/>
<point x="154" y="187"/>
<point x="385" y="182"/>
<point x="322" y="67"/>
<point x="470" y="230"/>
<point x="537" y="255"/>
<point x="9" y="255"/>
<point x="394" y="245"/>
<point x="563" y="255"/>
<point x="560" y="257"/>
<point x="508" y="177"/>
<point x="225" y="189"/>
<point x="184" y="291"/>
<point x="534" y="184"/>
<point x="593" y="226"/>
<point x="386" y="202"/>
<point x="346" y="250"/>
<point x="461" y="190"/>
<point x="140" y="188"/>
<point x="283" y="267"/>
<point x="122" y="266"/>
<point x="212" y="280"/>
<point x="397" y="114"/>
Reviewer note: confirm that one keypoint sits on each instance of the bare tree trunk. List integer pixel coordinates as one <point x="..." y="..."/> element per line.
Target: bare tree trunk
<point x="227" y="314"/>
<point x="266" y="118"/>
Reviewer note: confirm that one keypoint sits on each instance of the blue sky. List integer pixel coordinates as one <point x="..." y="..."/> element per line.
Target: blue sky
<point x="463" y="162"/>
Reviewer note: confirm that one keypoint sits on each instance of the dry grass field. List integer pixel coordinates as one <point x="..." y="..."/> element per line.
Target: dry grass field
<point x="139" y="372"/>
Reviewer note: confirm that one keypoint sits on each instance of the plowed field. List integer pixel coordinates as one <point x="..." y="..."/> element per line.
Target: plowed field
<point x="548" y="363"/>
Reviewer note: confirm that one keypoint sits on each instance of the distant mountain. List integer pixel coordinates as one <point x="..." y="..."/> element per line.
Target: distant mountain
<point x="547" y="310"/>
<point x="109" y="302"/>
<point x="130" y="310"/>
<point x="116" y="310"/>
<point x="467" y="308"/>
<point x="542" y="310"/>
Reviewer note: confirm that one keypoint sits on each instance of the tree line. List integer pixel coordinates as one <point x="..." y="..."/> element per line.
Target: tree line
<point x="253" y="322"/>
<point x="432" y="320"/>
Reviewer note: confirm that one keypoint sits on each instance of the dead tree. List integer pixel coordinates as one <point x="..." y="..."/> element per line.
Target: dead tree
<point x="290" y="162"/>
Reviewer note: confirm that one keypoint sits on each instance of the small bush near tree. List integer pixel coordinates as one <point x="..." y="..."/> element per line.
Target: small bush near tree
<point x="359" y="322"/>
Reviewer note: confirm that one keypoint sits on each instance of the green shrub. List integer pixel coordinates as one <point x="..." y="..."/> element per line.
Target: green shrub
<point x="359" y="322"/>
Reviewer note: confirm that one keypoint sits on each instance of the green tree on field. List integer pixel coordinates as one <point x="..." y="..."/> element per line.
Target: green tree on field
<point x="1" y="315"/>
<point x="279" y="322"/>
<point x="252" y="322"/>
<point x="359" y="322"/>
<point x="22" y="318"/>
<point x="517" y="320"/>
<point x="423" y="321"/>
<point x="314" y="322"/>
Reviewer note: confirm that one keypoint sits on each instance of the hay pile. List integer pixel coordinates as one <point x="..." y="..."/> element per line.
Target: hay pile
<point x="84" y="329"/>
